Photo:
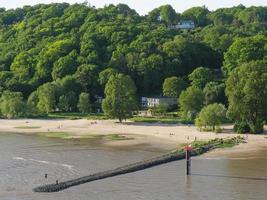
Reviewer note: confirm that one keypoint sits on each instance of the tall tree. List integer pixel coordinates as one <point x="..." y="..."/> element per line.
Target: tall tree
<point x="246" y="89"/>
<point x="120" y="97"/>
<point x="198" y="15"/>
<point x="173" y="86"/>
<point x="244" y="50"/>
<point x="200" y="77"/>
<point x="12" y="104"/>
<point x="190" y="102"/>
<point x="168" y="14"/>
<point x="84" y="105"/>
<point x="211" y="116"/>
<point x="214" y="93"/>
<point x="105" y="75"/>
<point x="47" y="97"/>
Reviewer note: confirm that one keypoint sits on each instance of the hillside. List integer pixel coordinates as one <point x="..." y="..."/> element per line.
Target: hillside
<point x="60" y="50"/>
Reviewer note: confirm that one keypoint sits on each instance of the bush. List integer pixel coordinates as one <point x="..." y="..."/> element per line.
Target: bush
<point x="12" y="105"/>
<point x="241" y="127"/>
<point x="218" y="129"/>
<point x="160" y="110"/>
<point x="190" y="102"/>
<point x="211" y="117"/>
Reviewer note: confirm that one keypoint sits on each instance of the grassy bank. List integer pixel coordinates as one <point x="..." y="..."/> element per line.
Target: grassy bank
<point x="101" y="116"/>
<point x="65" y="135"/>
<point x="164" y="120"/>
<point x="27" y="127"/>
<point x="73" y="116"/>
<point x="216" y="143"/>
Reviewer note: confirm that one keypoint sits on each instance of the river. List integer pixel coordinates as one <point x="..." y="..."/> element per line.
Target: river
<point x="25" y="159"/>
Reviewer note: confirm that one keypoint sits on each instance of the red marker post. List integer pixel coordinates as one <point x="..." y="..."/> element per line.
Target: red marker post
<point x="188" y="150"/>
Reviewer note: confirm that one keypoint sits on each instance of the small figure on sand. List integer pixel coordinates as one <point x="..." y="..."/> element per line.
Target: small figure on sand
<point x="45" y="175"/>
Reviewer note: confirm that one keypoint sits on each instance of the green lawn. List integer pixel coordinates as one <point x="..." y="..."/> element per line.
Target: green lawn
<point x="165" y="120"/>
<point x="27" y="127"/>
<point x="62" y="135"/>
<point x="101" y="116"/>
<point x="74" y="116"/>
<point x="116" y="137"/>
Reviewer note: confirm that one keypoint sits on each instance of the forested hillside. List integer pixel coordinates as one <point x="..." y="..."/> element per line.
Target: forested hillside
<point x="52" y="54"/>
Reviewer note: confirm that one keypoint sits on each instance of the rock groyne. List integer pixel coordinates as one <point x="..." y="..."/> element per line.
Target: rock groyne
<point x="169" y="157"/>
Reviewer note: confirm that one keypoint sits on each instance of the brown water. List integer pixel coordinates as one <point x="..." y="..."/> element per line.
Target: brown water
<point x="25" y="159"/>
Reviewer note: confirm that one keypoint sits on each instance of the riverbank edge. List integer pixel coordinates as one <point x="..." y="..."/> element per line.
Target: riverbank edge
<point x="198" y="149"/>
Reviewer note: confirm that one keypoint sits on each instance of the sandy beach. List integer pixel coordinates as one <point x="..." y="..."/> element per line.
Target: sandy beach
<point x="159" y="135"/>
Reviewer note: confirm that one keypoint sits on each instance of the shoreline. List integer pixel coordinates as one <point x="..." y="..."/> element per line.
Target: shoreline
<point x="165" y="136"/>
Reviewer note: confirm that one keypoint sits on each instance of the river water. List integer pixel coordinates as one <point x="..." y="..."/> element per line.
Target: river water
<point x="25" y="159"/>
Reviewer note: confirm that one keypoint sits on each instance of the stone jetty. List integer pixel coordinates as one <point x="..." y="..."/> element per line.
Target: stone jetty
<point x="173" y="156"/>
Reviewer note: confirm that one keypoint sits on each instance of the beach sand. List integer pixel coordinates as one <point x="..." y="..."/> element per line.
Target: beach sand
<point x="159" y="135"/>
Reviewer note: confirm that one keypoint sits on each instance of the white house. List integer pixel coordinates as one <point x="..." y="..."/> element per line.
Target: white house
<point x="157" y="101"/>
<point x="188" y="24"/>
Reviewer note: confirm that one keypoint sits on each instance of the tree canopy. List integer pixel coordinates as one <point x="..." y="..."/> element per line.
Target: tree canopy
<point x="211" y="116"/>
<point x="190" y="102"/>
<point x="53" y="55"/>
<point x="246" y="89"/>
<point x="200" y="77"/>
<point x="120" y="97"/>
<point x="173" y="86"/>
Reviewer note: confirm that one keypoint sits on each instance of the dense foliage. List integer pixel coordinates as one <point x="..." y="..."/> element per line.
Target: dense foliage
<point x="246" y="89"/>
<point x="120" y="99"/>
<point x="173" y="86"/>
<point x="211" y="117"/>
<point x="51" y="54"/>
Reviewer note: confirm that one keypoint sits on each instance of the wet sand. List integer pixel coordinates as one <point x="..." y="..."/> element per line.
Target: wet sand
<point x="155" y="134"/>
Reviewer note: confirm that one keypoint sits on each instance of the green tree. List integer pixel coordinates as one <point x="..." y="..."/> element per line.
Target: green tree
<point x="168" y="14"/>
<point x="47" y="97"/>
<point x="218" y="37"/>
<point x="244" y="50"/>
<point x="86" y="75"/>
<point x="33" y="99"/>
<point x="64" y="66"/>
<point x="221" y="17"/>
<point x="68" y="84"/>
<point x="105" y="75"/>
<point x="183" y="54"/>
<point x="173" y="86"/>
<point x="67" y="102"/>
<point x="22" y="66"/>
<point x="49" y="55"/>
<point x="211" y="116"/>
<point x="198" y="15"/>
<point x="120" y="97"/>
<point x="32" y="104"/>
<point x="253" y="14"/>
<point x="200" y="77"/>
<point x="12" y="105"/>
<point x="63" y="103"/>
<point x="246" y="89"/>
<point x="214" y="93"/>
<point x="190" y="102"/>
<point x="84" y="105"/>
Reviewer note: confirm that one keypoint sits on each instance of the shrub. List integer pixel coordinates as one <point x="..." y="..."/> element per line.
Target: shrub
<point x="211" y="117"/>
